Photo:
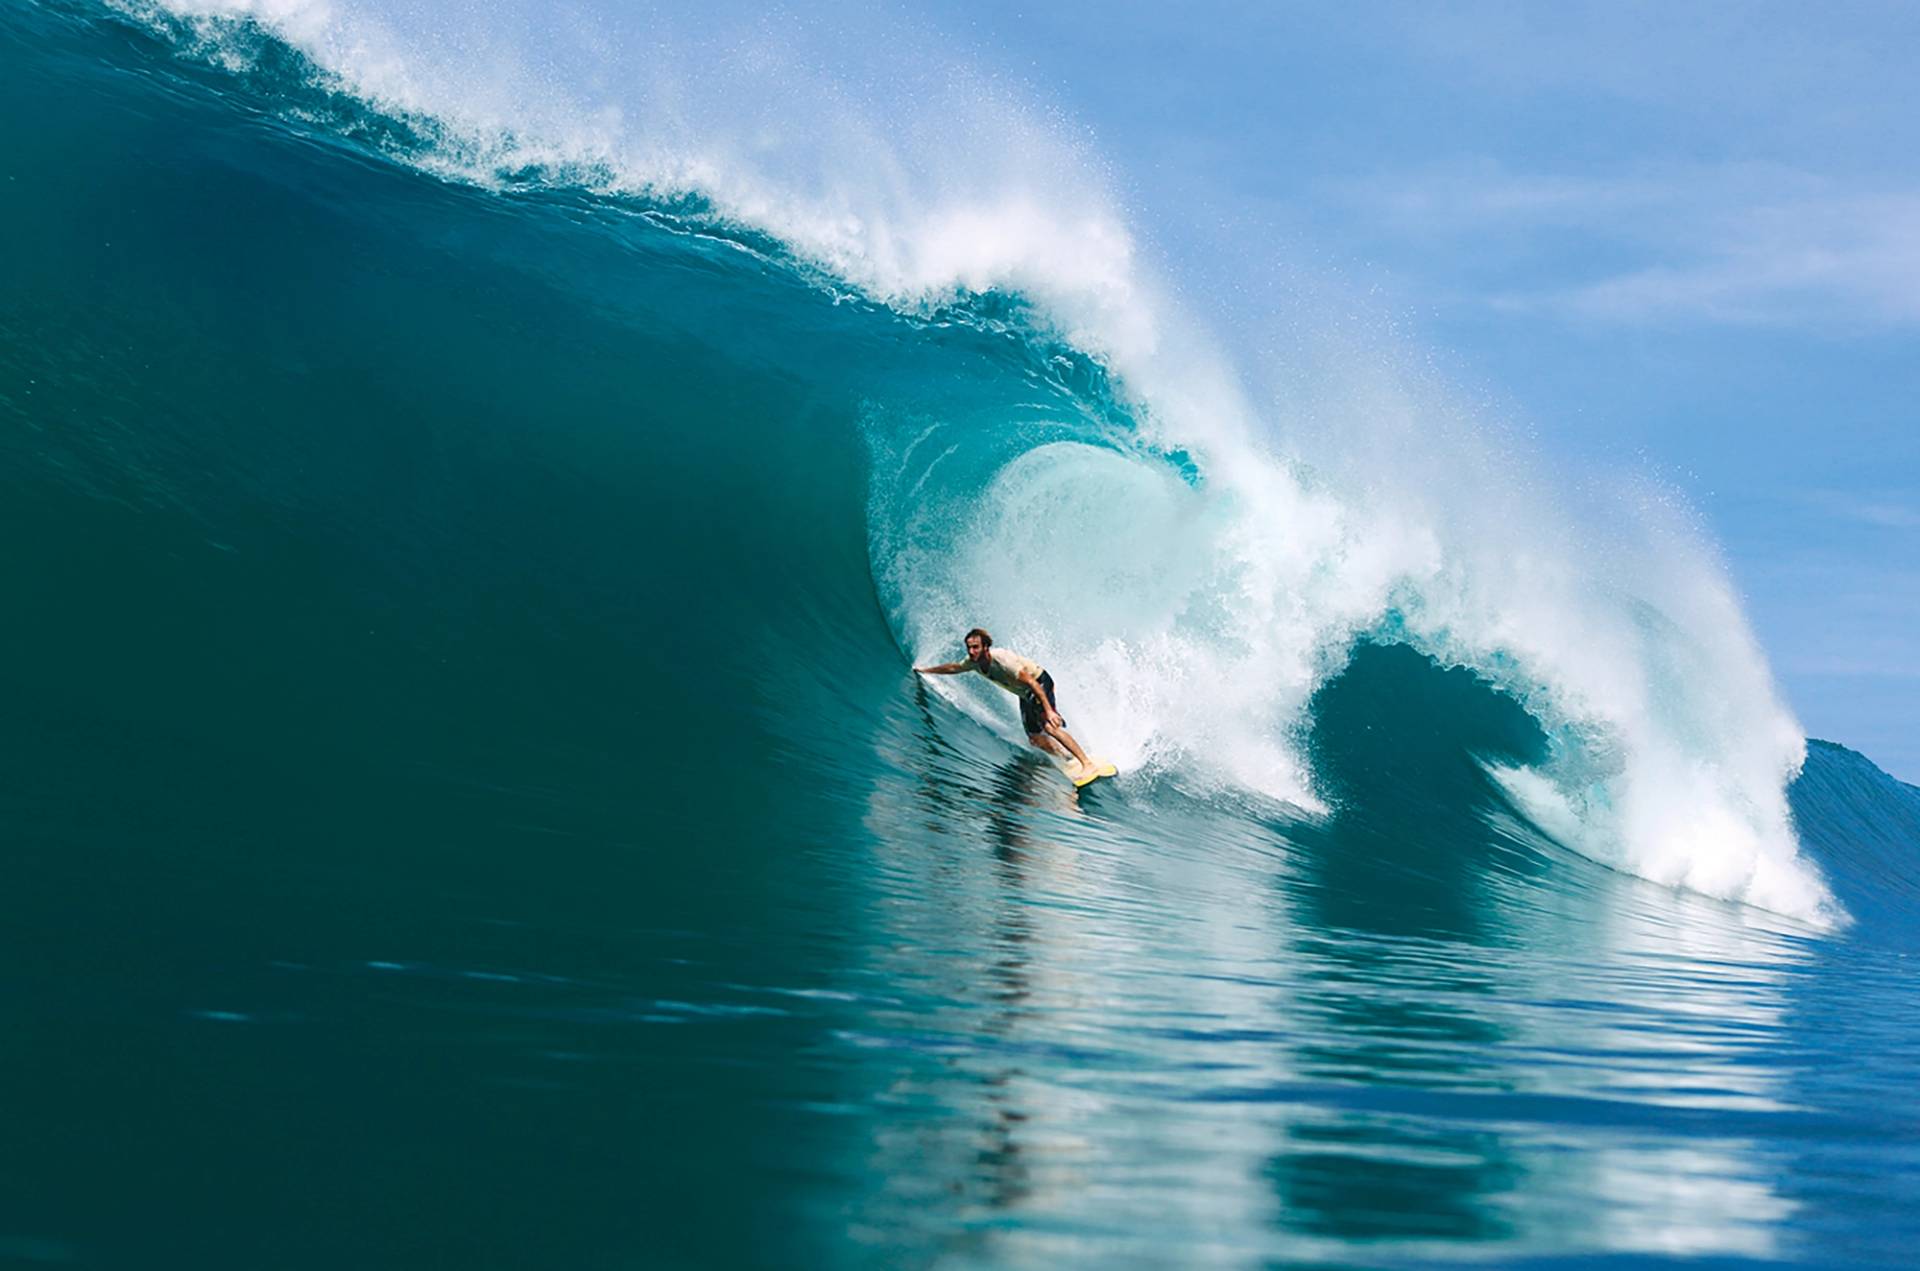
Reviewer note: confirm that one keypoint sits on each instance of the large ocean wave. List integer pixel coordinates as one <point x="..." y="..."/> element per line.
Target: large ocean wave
<point x="1048" y="444"/>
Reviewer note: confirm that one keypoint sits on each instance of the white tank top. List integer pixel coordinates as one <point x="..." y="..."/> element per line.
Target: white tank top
<point x="1005" y="667"/>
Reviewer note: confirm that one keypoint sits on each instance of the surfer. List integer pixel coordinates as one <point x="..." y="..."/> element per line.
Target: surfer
<point x="1039" y="713"/>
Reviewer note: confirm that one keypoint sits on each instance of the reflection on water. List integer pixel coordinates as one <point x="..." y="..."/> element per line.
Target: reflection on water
<point x="1169" y="1032"/>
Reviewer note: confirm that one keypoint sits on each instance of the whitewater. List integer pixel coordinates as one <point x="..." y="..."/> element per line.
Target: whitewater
<point x="478" y="480"/>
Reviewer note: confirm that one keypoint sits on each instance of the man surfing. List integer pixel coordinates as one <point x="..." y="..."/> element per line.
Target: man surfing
<point x="1039" y="707"/>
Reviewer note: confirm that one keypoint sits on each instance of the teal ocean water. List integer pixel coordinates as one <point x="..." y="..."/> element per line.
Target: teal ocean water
<point x="465" y="802"/>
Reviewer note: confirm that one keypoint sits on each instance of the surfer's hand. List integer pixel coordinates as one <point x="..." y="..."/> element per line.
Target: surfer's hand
<point x="1053" y="719"/>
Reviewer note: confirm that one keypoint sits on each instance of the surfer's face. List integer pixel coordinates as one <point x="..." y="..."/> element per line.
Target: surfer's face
<point x="975" y="649"/>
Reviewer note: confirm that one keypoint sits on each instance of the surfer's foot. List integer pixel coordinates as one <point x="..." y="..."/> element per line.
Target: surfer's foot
<point x="1085" y="774"/>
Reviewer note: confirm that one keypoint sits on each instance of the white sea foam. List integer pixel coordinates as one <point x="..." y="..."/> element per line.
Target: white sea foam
<point x="1192" y="622"/>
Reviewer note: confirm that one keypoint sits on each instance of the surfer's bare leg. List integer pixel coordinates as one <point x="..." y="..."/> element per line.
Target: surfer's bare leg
<point x="1046" y="743"/>
<point x="1057" y="733"/>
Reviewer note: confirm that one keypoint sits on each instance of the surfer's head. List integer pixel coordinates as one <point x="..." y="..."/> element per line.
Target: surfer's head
<point x="978" y="642"/>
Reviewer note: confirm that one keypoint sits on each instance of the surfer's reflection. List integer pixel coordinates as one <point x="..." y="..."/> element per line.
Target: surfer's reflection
<point x="976" y="932"/>
<point x="1027" y="867"/>
<point x="1023" y="788"/>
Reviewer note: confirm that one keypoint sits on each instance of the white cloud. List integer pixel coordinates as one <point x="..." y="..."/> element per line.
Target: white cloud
<point x="1887" y="510"/>
<point x="1847" y="260"/>
<point x="1730" y="243"/>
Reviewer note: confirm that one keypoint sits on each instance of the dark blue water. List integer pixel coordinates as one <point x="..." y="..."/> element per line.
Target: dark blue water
<point x="464" y="800"/>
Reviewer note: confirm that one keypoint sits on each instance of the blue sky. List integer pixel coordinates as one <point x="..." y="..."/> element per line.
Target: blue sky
<point x="1674" y="239"/>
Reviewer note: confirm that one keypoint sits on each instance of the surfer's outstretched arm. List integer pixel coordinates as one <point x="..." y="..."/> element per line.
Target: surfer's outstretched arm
<point x="945" y="668"/>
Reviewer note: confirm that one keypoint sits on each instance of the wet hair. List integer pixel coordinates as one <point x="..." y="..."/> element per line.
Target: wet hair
<point x="986" y="641"/>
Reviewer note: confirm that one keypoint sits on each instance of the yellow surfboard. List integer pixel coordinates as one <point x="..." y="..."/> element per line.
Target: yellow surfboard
<point x="1086" y="774"/>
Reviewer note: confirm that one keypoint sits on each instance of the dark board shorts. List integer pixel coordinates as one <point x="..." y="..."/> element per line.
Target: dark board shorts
<point x="1033" y="716"/>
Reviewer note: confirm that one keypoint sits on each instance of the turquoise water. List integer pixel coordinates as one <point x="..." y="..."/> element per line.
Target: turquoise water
<point x="466" y="803"/>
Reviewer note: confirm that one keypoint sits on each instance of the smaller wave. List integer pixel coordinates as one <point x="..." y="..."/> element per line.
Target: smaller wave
<point x="1864" y="826"/>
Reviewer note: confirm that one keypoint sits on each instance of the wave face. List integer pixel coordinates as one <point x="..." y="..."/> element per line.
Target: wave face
<point x="468" y="547"/>
<point x="1141" y="527"/>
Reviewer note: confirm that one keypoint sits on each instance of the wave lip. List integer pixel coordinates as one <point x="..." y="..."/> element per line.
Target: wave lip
<point x="913" y="178"/>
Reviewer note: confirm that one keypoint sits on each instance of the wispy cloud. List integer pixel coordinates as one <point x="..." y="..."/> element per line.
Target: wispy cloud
<point x="1833" y="260"/>
<point x="1881" y="509"/>
<point x="1737" y="243"/>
